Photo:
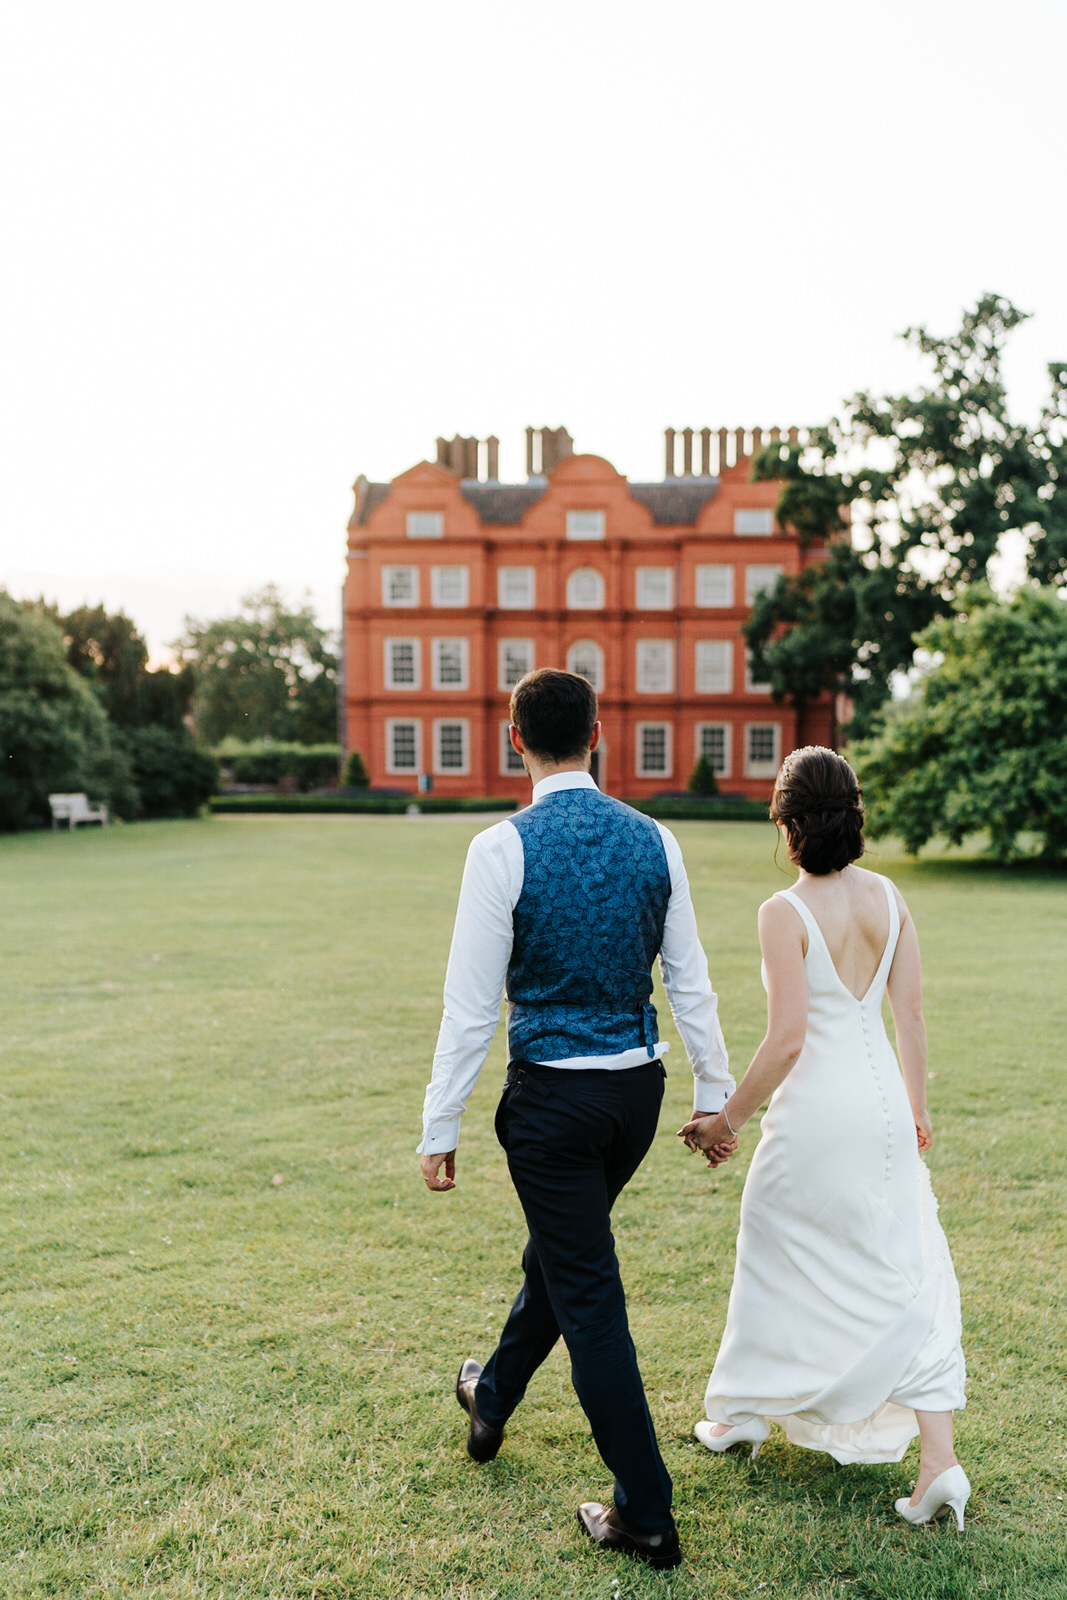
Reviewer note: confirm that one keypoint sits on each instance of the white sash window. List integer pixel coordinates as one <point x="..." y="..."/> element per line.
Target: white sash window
<point x="714" y="666"/>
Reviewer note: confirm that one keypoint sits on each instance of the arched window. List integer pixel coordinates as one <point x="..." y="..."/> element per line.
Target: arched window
<point x="585" y="590"/>
<point x="587" y="660"/>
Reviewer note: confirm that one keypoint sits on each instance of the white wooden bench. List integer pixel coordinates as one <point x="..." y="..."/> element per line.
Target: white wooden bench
<point x="75" y="808"/>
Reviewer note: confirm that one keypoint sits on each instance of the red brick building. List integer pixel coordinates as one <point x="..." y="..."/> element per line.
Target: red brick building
<point x="458" y="584"/>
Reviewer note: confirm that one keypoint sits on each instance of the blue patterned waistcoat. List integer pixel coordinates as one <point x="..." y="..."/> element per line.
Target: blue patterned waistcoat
<point x="588" y="926"/>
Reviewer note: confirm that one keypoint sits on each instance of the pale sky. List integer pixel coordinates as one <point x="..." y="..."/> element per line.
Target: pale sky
<point x="253" y="249"/>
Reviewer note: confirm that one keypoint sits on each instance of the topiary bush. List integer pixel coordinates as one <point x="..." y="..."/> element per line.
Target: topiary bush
<point x="702" y="779"/>
<point x="356" y="775"/>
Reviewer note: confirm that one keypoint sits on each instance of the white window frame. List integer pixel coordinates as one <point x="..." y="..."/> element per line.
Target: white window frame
<point x="583" y="574"/>
<point x="509" y="753"/>
<point x="579" y="647"/>
<point x="654" y="589"/>
<point x="436" y="650"/>
<point x="704" y="584"/>
<point x="388" y="575"/>
<point x="390" y="683"/>
<point x="641" y="666"/>
<point x="753" y="522"/>
<point x="585" y="525"/>
<point x="437" y="581"/>
<point x="391" y="723"/>
<point x="751" y="686"/>
<point x="440" y="723"/>
<point x="727" y="746"/>
<point x="763" y="769"/>
<point x="503" y="575"/>
<point x="425" y="524"/>
<point x="705" y="678"/>
<point x="667" y="770"/>
<point x="766" y="582"/>
<point x="503" y="679"/>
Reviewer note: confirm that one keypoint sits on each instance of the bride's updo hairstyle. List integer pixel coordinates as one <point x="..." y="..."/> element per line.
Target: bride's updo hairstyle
<point x="818" y="801"/>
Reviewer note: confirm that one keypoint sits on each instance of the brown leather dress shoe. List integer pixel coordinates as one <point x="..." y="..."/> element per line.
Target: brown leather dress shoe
<point x="482" y="1442"/>
<point x="606" y="1528"/>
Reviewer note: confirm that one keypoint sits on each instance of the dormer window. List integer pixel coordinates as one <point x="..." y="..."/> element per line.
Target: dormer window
<point x="585" y="524"/>
<point x="426" y="524"/>
<point x="754" y="522"/>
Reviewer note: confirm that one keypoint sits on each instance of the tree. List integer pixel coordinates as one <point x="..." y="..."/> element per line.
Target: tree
<point x="267" y="672"/>
<point x="935" y="480"/>
<point x="702" y="779"/>
<point x="107" y="649"/>
<point x="983" y="742"/>
<point x="54" y="735"/>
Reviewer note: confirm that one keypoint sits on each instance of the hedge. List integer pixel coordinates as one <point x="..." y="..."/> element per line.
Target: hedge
<point x="693" y="809"/>
<point x="326" y="804"/>
<point x="311" y="766"/>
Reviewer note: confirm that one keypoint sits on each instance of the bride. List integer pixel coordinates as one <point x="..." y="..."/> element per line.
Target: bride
<point x="844" y="1319"/>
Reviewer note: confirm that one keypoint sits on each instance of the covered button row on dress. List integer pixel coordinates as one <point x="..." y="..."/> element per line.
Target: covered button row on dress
<point x="880" y="1080"/>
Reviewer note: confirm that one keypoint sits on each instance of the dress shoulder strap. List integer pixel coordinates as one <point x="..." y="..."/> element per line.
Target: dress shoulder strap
<point x="806" y="915"/>
<point x="894" y="922"/>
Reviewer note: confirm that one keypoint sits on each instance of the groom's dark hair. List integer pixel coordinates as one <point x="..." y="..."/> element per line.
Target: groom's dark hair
<point x="554" y="712"/>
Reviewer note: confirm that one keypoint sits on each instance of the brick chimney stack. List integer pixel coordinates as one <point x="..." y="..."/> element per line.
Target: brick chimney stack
<point x="745" y="442"/>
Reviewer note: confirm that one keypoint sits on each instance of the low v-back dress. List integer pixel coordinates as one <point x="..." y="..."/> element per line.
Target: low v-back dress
<point x="844" y="1315"/>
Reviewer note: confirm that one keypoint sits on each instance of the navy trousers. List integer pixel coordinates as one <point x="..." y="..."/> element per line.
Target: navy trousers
<point x="573" y="1140"/>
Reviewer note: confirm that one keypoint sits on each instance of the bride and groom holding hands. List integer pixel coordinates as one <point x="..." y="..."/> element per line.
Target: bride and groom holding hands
<point x="843" y="1323"/>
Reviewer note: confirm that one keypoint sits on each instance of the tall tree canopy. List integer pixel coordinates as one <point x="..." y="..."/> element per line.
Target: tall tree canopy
<point x="982" y="745"/>
<point x="270" y="671"/>
<point x="54" y="734"/>
<point x="935" y="479"/>
<point x="106" y="648"/>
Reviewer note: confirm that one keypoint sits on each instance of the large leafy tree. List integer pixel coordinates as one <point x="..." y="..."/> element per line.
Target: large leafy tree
<point x="270" y="671"/>
<point x="982" y="745"/>
<point x="107" y="648"/>
<point x="54" y="734"/>
<point x="934" y="479"/>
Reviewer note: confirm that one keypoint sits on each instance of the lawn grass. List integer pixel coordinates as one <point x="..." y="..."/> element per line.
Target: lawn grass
<point x="232" y="1314"/>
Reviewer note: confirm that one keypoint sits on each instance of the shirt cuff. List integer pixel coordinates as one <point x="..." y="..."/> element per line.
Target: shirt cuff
<point x="709" y="1097"/>
<point x="439" y="1138"/>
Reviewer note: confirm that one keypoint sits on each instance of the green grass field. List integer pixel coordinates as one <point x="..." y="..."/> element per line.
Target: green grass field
<point x="232" y="1314"/>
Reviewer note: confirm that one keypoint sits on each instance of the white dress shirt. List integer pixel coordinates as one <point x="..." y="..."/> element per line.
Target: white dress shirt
<point x="477" y="969"/>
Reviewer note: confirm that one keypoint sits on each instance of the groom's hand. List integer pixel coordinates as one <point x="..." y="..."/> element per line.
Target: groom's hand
<point x="709" y="1134"/>
<point x="431" y="1167"/>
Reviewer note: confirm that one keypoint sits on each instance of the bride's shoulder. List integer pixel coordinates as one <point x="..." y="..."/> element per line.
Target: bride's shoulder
<point x="779" y="910"/>
<point x="874" y="883"/>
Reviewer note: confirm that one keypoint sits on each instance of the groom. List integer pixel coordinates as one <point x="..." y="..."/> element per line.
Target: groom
<point x="570" y="902"/>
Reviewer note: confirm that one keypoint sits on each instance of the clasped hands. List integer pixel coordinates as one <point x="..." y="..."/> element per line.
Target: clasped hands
<point x="709" y="1133"/>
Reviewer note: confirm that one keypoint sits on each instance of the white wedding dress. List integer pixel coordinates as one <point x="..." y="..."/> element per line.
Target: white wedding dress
<point x="844" y="1315"/>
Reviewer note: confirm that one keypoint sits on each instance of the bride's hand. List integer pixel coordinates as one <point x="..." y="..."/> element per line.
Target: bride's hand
<point x="710" y="1135"/>
<point x="924" y="1130"/>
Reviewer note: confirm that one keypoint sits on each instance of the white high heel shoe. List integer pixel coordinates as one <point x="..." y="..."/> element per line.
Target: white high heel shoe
<point x="754" y="1432"/>
<point x="949" y="1490"/>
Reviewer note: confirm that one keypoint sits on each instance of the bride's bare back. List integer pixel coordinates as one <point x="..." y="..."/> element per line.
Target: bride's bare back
<point x="851" y="910"/>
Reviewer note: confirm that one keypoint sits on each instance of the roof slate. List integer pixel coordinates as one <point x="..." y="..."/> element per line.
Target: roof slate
<point x="373" y="496"/>
<point x="678" y="501"/>
<point x="502" y="503"/>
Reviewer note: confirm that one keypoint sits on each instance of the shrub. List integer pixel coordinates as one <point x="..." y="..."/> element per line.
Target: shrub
<point x="310" y="766"/>
<point x="702" y="779"/>
<point x="356" y="774"/>
<point x="173" y="775"/>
